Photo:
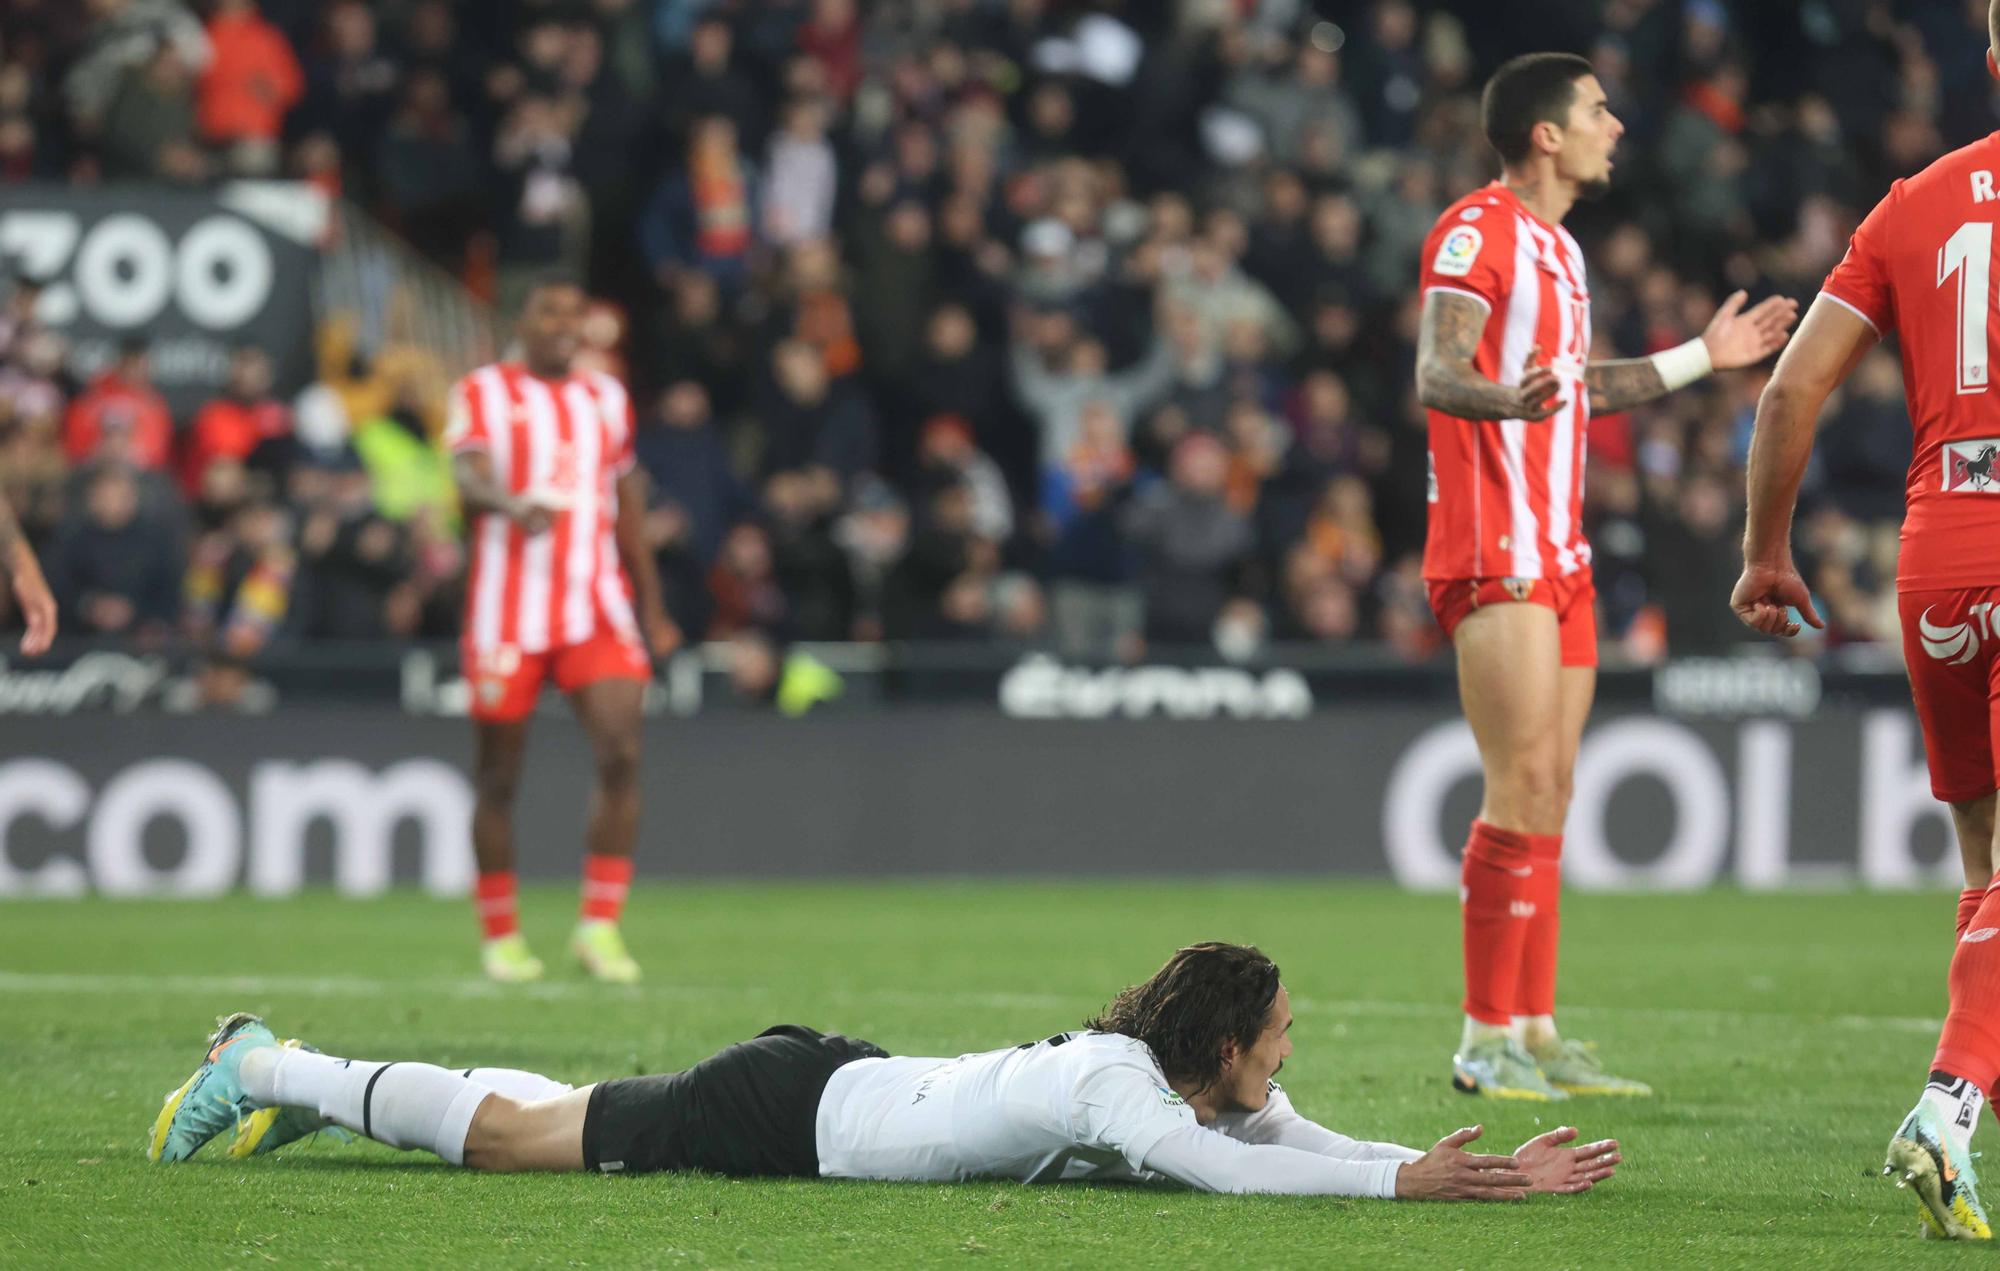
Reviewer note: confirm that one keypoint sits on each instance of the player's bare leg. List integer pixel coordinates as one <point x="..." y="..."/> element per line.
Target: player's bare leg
<point x="512" y="1136"/>
<point x="498" y="750"/>
<point x="1570" y="1066"/>
<point x="611" y="711"/>
<point x="1931" y="1151"/>
<point x="1510" y="685"/>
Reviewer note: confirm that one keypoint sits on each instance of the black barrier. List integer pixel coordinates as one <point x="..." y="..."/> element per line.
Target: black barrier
<point x="153" y="804"/>
<point x="196" y="273"/>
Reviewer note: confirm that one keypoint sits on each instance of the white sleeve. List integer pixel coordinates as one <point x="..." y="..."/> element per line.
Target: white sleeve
<point x="1279" y="1123"/>
<point x="1123" y="1107"/>
<point x="1213" y="1162"/>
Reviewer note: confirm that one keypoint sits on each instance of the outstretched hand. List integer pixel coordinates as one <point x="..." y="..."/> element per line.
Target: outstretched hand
<point x="1737" y="339"/>
<point x="1765" y="594"/>
<point x="1552" y="1165"/>
<point x="1448" y="1172"/>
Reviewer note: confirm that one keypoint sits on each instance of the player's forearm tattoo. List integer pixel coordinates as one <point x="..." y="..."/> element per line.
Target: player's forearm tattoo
<point x="1622" y="384"/>
<point x="1446" y="379"/>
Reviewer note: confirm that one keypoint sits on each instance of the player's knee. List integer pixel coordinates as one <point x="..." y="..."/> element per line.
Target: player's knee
<point x="1537" y="783"/>
<point x="497" y="1136"/>
<point x="618" y="764"/>
<point x="496" y="783"/>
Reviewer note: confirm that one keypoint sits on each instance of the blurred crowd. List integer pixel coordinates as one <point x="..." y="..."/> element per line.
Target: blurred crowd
<point x="1084" y="325"/>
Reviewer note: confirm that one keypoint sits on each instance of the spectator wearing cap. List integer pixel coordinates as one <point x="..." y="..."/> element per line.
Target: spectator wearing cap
<point x="248" y="87"/>
<point x="121" y="417"/>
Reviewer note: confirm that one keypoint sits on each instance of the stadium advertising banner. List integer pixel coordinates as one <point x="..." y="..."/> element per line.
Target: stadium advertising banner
<point x="196" y="273"/>
<point x="365" y="797"/>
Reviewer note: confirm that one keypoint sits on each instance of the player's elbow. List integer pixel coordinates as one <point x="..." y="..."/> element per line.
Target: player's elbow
<point x="1789" y="395"/>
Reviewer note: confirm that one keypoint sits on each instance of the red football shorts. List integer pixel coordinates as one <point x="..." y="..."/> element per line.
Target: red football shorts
<point x="506" y="682"/>
<point x="1955" y="681"/>
<point x="1572" y="597"/>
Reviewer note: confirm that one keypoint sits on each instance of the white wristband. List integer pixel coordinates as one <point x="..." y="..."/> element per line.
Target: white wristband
<point x="1683" y="364"/>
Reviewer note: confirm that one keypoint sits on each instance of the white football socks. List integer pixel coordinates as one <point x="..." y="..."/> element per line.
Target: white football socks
<point x="1477" y="1031"/>
<point x="401" y="1104"/>
<point x="1958" y="1103"/>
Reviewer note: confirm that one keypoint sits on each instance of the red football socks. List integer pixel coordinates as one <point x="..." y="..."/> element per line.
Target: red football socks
<point x="1496" y="897"/>
<point x="1535" y="992"/>
<point x="1968" y="905"/>
<point x="499" y="911"/>
<point x="606" y="880"/>
<point x="1970" y="1044"/>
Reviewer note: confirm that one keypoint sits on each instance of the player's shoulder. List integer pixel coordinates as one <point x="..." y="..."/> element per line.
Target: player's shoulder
<point x="482" y="378"/>
<point x="1963" y="178"/>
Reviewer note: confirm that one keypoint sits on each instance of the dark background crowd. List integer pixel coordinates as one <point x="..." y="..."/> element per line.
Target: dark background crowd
<point x="1086" y="326"/>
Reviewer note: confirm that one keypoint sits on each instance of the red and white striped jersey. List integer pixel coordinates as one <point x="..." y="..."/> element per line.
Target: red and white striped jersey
<point x="1506" y="496"/>
<point x="566" y="442"/>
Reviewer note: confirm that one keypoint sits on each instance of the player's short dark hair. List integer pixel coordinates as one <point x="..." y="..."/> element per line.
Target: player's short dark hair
<point x="1205" y="995"/>
<point x="548" y="280"/>
<point x="1535" y="88"/>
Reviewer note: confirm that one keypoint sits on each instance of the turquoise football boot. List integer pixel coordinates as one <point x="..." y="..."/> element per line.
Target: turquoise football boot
<point x="1947" y="1188"/>
<point x="212" y="1100"/>
<point x="268" y="1129"/>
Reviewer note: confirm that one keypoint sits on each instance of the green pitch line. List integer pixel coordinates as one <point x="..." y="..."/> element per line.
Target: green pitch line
<point x="1786" y="1034"/>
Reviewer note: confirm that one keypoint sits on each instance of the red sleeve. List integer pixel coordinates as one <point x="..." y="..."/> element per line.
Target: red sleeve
<point x="1861" y="279"/>
<point x="465" y="426"/>
<point x="1472" y="257"/>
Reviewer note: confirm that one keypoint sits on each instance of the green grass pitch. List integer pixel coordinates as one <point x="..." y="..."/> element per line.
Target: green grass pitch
<point x="1786" y="1035"/>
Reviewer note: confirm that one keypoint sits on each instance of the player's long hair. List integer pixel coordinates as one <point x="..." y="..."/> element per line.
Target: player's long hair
<point x="1206" y="995"/>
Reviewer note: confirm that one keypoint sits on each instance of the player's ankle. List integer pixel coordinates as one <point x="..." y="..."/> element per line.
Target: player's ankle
<point x="1536" y="1033"/>
<point x="1477" y="1031"/>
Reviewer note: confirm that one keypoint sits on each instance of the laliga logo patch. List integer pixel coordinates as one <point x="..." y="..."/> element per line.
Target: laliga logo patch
<point x="1457" y="252"/>
<point x="1954" y="645"/>
<point x="1171" y="1098"/>
<point x="1968" y="465"/>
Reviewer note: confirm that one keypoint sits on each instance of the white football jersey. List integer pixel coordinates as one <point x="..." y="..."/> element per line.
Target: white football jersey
<point x="1081" y="1105"/>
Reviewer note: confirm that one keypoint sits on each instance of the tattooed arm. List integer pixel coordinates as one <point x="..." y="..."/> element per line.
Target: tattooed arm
<point x="1448" y="382"/>
<point x="31" y="591"/>
<point x="1734" y="338"/>
<point x="1622" y="384"/>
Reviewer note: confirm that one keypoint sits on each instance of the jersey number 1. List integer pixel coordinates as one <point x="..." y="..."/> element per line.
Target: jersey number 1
<point x="1969" y="254"/>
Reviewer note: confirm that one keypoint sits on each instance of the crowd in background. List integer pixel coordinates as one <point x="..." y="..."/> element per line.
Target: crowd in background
<point x="1087" y="326"/>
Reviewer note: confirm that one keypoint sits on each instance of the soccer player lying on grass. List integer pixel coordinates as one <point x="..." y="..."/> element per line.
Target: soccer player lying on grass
<point x="1171" y="1082"/>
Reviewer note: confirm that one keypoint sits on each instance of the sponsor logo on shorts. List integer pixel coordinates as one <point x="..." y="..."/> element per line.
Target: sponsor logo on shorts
<point x="1457" y="252"/>
<point x="1969" y="466"/>
<point x="1980" y="936"/>
<point x="1954" y="645"/>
